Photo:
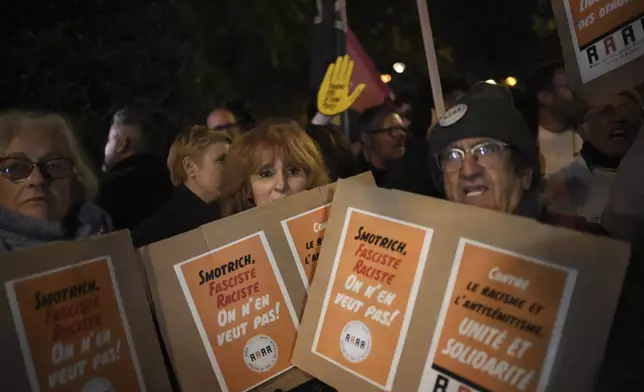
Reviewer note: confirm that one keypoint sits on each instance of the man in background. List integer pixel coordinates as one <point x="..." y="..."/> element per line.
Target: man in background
<point x="411" y="172"/>
<point x="554" y="117"/>
<point x="223" y="119"/>
<point x="610" y="128"/>
<point x="136" y="181"/>
<point x="220" y="117"/>
<point x="382" y="136"/>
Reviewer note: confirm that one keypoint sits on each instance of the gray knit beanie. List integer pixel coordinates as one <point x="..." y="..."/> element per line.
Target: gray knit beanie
<point x="486" y="111"/>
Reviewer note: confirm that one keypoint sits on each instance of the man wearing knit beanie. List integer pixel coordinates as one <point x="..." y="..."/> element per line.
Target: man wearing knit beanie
<point x="483" y="153"/>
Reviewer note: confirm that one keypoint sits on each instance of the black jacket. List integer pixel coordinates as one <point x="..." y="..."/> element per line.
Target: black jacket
<point x="411" y="172"/>
<point x="334" y="146"/>
<point x="379" y="175"/>
<point x="134" y="189"/>
<point x="185" y="211"/>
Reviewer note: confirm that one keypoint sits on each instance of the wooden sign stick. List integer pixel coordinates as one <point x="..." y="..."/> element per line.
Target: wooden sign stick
<point x="430" y="54"/>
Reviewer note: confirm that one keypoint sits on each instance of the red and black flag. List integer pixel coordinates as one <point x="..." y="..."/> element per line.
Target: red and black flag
<point x="332" y="38"/>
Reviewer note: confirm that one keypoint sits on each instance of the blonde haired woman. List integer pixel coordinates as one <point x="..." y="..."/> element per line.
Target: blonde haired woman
<point x="274" y="160"/>
<point x="46" y="183"/>
<point x="196" y="164"/>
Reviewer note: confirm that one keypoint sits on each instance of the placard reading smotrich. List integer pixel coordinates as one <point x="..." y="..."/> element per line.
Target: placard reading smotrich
<point x="367" y="307"/>
<point x="500" y="324"/>
<point x="73" y="331"/>
<point x="242" y="310"/>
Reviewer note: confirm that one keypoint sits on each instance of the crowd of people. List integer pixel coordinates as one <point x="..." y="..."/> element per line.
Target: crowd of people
<point x="549" y="156"/>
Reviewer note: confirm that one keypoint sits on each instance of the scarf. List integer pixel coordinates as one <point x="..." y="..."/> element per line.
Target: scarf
<point x="21" y="231"/>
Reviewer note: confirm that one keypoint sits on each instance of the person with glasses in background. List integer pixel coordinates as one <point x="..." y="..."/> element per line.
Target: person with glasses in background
<point x="382" y="135"/>
<point x="46" y="183"/>
<point x="609" y="129"/>
<point x="223" y="119"/>
<point x="483" y="153"/>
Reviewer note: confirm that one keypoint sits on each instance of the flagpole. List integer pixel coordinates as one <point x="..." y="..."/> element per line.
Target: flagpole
<point x="430" y="54"/>
<point x="341" y="43"/>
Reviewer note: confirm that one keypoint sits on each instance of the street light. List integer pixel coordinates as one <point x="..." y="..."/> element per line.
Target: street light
<point x="490" y="81"/>
<point x="399" y="67"/>
<point x="386" y="78"/>
<point x="511" y="81"/>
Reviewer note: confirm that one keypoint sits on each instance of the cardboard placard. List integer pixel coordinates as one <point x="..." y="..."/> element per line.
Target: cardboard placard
<point x="602" y="43"/>
<point x="381" y="285"/>
<point x="478" y="334"/>
<point x="305" y="233"/>
<point x="414" y="293"/>
<point x="229" y="295"/>
<point x="76" y="318"/>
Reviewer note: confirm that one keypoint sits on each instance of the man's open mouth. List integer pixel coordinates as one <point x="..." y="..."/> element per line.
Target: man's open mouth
<point x="617" y="134"/>
<point x="474" y="190"/>
<point x="619" y="130"/>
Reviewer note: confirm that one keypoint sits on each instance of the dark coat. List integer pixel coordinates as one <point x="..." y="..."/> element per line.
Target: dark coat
<point x="184" y="212"/>
<point x="379" y="175"/>
<point x="411" y="172"/>
<point x="134" y="189"/>
<point x="334" y="146"/>
<point x="622" y="366"/>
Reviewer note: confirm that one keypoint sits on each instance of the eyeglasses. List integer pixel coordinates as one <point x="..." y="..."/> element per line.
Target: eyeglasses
<point x="19" y="169"/>
<point x="392" y="131"/>
<point x="486" y="154"/>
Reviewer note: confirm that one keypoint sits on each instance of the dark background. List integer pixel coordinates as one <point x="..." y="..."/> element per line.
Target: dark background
<point x="88" y="58"/>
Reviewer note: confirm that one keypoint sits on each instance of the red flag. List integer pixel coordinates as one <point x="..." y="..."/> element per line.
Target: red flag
<point x="365" y="72"/>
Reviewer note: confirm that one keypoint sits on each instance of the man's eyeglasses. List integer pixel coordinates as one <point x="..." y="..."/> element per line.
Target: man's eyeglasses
<point x="486" y="154"/>
<point x="18" y="169"/>
<point x="392" y="131"/>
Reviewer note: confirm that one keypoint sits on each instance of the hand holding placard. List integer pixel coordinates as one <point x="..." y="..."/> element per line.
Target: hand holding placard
<point x="333" y="96"/>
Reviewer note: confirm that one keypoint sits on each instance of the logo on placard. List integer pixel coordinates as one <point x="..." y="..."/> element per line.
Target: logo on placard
<point x="98" y="384"/>
<point x="260" y="353"/>
<point x="453" y="115"/>
<point x="355" y="341"/>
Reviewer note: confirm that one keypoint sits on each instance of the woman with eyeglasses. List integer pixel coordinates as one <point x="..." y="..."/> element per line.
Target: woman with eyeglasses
<point x="46" y="183"/>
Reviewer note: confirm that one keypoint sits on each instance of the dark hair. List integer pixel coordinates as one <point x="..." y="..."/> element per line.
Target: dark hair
<point x="151" y="136"/>
<point x="369" y="115"/>
<point x="240" y="109"/>
<point x="482" y="90"/>
<point x="543" y="77"/>
<point x="449" y="85"/>
<point x="521" y="165"/>
<point x="335" y="148"/>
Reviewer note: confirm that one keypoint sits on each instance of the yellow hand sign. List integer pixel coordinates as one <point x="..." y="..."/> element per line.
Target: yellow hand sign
<point x="333" y="96"/>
